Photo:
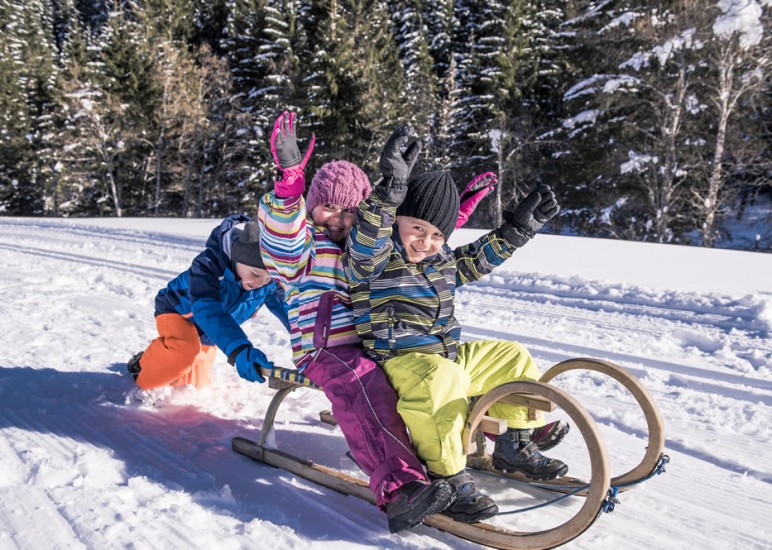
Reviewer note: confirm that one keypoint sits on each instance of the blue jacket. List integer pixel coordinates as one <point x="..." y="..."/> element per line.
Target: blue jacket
<point x="210" y="295"/>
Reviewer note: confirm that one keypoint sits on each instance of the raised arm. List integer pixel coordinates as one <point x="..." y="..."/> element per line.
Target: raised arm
<point x="473" y="193"/>
<point x="369" y="243"/>
<point x="285" y="235"/>
<point x="480" y="257"/>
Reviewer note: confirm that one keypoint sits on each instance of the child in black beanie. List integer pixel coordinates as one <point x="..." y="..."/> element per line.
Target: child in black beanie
<point x="403" y="278"/>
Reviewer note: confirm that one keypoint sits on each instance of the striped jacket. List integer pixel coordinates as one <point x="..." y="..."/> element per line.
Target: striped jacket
<point x="308" y="265"/>
<point x="401" y="307"/>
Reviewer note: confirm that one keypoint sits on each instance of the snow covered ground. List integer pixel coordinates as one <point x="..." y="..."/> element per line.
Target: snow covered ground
<point x="90" y="462"/>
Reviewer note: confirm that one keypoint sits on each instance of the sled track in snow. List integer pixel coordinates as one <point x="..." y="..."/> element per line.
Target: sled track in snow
<point x="726" y="314"/>
<point x="126" y="267"/>
<point x="99" y="246"/>
<point x="20" y="230"/>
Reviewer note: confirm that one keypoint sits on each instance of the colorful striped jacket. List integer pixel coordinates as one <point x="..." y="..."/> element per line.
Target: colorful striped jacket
<point x="308" y="266"/>
<point x="402" y="307"/>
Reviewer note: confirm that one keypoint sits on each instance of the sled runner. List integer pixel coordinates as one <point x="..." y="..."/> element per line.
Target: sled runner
<point x="598" y="491"/>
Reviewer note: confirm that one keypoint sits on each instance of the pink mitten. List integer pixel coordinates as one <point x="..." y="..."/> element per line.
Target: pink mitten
<point x="474" y="192"/>
<point x="286" y="154"/>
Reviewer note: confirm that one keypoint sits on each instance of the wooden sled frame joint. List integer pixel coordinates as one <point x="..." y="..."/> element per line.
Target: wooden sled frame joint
<point x="279" y="384"/>
<point x="529" y="400"/>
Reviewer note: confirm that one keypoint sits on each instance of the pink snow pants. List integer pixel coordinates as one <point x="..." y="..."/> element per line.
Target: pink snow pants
<point x="365" y="406"/>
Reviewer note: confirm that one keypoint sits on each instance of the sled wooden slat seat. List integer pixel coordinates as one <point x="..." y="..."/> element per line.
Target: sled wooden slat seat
<point x="488" y="424"/>
<point x="494" y="426"/>
<point x="279" y="384"/>
<point x="531" y="401"/>
<point x="327" y="418"/>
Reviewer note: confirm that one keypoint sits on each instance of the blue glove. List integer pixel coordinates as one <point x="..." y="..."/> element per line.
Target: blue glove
<point x="248" y="361"/>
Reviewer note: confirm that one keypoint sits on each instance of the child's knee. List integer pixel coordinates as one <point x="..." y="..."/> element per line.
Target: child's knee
<point x="432" y="373"/>
<point x="182" y="351"/>
<point x="451" y="374"/>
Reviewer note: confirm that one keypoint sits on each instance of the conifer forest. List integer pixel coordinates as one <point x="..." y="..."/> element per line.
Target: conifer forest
<point x="652" y="120"/>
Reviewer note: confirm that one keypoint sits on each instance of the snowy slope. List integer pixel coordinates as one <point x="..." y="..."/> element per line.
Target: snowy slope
<point x="89" y="462"/>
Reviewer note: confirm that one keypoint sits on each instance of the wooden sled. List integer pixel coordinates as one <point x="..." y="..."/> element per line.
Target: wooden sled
<point x="538" y="395"/>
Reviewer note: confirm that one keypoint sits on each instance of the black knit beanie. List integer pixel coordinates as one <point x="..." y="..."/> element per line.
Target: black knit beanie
<point x="432" y="197"/>
<point x="246" y="249"/>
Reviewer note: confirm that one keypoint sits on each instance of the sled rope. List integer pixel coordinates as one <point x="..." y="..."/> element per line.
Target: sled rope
<point x="611" y="500"/>
<point x="659" y="468"/>
<point x="606" y="506"/>
<point x="543" y="504"/>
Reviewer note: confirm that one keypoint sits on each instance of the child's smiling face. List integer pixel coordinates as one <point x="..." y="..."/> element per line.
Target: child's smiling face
<point x="252" y="277"/>
<point x="420" y="238"/>
<point x="336" y="219"/>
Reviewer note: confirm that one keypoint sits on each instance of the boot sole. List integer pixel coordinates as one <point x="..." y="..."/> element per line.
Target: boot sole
<point x="443" y="498"/>
<point x="474" y="518"/>
<point x="546" y="476"/>
<point x="133" y="367"/>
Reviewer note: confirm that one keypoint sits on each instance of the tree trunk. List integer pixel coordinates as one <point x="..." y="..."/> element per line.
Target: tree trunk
<point x="113" y="188"/>
<point x="665" y="201"/>
<point x="726" y="100"/>
<point x="158" y="166"/>
<point x="496" y="205"/>
<point x="56" y="198"/>
<point x="714" y="183"/>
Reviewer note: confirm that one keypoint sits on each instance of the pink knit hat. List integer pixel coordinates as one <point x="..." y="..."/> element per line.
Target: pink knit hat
<point x="338" y="182"/>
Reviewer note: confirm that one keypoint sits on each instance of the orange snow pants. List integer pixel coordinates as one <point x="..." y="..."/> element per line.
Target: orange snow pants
<point x="176" y="357"/>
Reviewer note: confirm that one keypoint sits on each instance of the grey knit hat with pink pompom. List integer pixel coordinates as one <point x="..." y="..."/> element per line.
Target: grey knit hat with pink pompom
<point x="338" y="182"/>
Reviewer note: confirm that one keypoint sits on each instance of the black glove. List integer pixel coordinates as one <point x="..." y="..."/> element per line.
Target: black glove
<point x="522" y="223"/>
<point x="395" y="164"/>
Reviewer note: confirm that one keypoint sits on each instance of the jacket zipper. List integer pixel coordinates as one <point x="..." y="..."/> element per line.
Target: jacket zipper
<point x="392" y="323"/>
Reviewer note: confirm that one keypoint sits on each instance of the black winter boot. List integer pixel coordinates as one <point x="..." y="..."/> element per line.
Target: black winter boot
<point x="469" y="505"/>
<point x="514" y="452"/>
<point x="133" y="365"/>
<point x="416" y="502"/>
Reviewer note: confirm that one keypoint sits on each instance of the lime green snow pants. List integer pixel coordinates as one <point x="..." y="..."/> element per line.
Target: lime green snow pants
<point x="434" y="396"/>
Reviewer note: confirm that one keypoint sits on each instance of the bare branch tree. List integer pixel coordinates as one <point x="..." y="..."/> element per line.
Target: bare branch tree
<point x="739" y="56"/>
<point x="101" y="134"/>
